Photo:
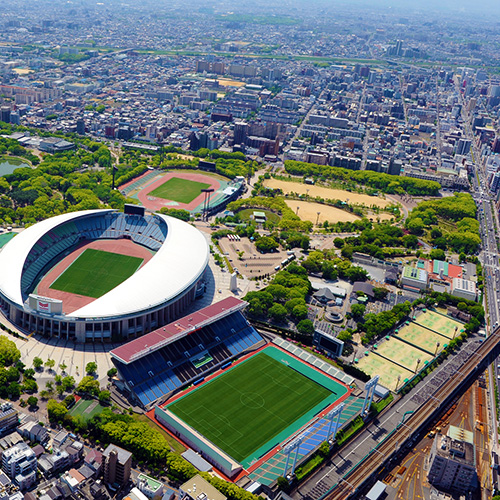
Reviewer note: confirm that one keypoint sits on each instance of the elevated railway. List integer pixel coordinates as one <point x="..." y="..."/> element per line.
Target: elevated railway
<point x="355" y="479"/>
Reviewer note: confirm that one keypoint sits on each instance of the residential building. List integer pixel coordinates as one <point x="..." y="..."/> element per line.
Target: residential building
<point x="117" y="465"/>
<point x="20" y="463"/>
<point x="9" y="418"/>
<point x="198" y="488"/>
<point x="152" y="488"/>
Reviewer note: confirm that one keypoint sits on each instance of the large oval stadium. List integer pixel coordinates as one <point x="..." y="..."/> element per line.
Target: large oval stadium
<point x="101" y="274"/>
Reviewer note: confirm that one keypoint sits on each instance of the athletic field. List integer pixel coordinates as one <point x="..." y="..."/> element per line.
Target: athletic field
<point x="386" y="370"/>
<point x="179" y="190"/>
<point x="246" y="411"/>
<point x="96" y="272"/>
<point x="422" y="338"/>
<point x="86" y="408"/>
<point x="439" y="323"/>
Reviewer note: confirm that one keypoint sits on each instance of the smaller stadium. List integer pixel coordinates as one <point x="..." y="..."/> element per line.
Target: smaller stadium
<point x="192" y="190"/>
<point x="224" y="390"/>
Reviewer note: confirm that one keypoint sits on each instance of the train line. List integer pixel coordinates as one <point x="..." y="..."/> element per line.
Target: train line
<point x="354" y="479"/>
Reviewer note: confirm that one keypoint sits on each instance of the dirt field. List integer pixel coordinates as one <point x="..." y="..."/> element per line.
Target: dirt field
<point x="326" y="193"/>
<point x="71" y="301"/>
<point x="402" y="353"/>
<point x="309" y="211"/>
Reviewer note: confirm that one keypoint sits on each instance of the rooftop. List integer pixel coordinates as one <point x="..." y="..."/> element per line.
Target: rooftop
<point x="200" y="489"/>
<point x="123" y="455"/>
<point x="157" y="339"/>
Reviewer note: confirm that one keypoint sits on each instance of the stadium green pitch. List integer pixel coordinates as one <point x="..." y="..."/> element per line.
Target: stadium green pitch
<point x="96" y="272"/>
<point x="257" y="404"/>
<point x="179" y="190"/>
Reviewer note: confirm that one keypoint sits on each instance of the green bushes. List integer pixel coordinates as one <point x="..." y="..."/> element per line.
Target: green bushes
<point x="391" y="184"/>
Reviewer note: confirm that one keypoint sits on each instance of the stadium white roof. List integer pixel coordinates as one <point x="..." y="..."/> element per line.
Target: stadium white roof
<point x="175" y="267"/>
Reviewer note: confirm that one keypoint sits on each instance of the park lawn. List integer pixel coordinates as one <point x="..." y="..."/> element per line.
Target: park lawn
<point x="179" y="190"/>
<point x="246" y="407"/>
<point x="95" y="272"/>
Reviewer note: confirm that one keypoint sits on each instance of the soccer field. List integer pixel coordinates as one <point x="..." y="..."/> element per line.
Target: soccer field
<point x="246" y="407"/>
<point x="96" y="272"/>
<point x="179" y="190"/>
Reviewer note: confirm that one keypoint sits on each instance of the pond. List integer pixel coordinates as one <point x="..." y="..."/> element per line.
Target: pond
<point x="8" y="165"/>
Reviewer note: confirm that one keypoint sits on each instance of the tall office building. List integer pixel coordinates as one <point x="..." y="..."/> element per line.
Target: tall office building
<point x="463" y="147"/>
<point x="117" y="465"/>
<point x="399" y="48"/>
<point x="240" y="132"/>
<point x="5" y="114"/>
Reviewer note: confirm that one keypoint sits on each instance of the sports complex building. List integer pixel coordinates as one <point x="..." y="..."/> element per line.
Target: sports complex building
<point x="222" y="388"/>
<point x="101" y="274"/>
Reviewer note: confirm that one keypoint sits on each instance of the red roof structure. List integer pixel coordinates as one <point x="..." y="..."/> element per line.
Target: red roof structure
<point x="137" y="348"/>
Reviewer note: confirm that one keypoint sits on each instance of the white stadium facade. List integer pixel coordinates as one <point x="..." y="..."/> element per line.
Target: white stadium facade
<point x="154" y="295"/>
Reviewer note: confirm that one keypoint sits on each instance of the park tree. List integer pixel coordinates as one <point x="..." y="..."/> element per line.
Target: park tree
<point x="55" y="410"/>
<point x="32" y="401"/>
<point x="438" y="254"/>
<point x="14" y="390"/>
<point x="91" y="368"/>
<point x="380" y="293"/>
<point x="112" y="372"/>
<point x="50" y="363"/>
<point x="305" y="327"/>
<point x="63" y="366"/>
<point x="9" y="353"/>
<point x="67" y="383"/>
<point x="277" y="312"/>
<point x="88" y="385"/>
<point x="358" y="310"/>
<point x="30" y="386"/>
<point x="266" y="244"/>
<point x="299" y="312"/>
<point x="338" y="242"/>
<point x="37" y="362"/>
<point x="69" y="401"/>
<point x="104" y="397"/>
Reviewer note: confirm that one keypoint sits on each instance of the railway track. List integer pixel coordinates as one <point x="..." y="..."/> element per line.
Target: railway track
<point x="354" y="479"/>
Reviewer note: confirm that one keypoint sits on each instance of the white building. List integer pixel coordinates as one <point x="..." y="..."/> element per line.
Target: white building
<point x="465" y="289"/>
<point x="150" y="487"/>
<point x="19" y="463"/>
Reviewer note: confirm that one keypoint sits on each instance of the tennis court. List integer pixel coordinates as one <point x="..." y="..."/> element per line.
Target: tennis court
<point x="422" y="338"/>
<point x="403" y="354"/>
<point x="439" y="323"/>
<point x="388" y="372"/>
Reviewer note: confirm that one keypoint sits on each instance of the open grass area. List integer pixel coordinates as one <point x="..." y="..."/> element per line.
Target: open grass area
<point x="179" y="190"/>
<point x="251" y="404"/>
<point x="96" y="272"/>
<point x="86" y="408"/>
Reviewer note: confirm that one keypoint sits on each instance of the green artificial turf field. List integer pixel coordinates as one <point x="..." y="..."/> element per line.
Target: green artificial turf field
<point x="86" y="408"/>
<point x="249" y="405"/>
<point x="179" y="190"/>
<point x="96" y="272"/>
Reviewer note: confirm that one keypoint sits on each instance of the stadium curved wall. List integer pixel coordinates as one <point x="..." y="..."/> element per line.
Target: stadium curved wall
<point x="154" y="295"/>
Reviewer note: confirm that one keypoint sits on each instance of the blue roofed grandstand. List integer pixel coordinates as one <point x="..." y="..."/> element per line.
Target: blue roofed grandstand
<point x="154" y="366"/>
